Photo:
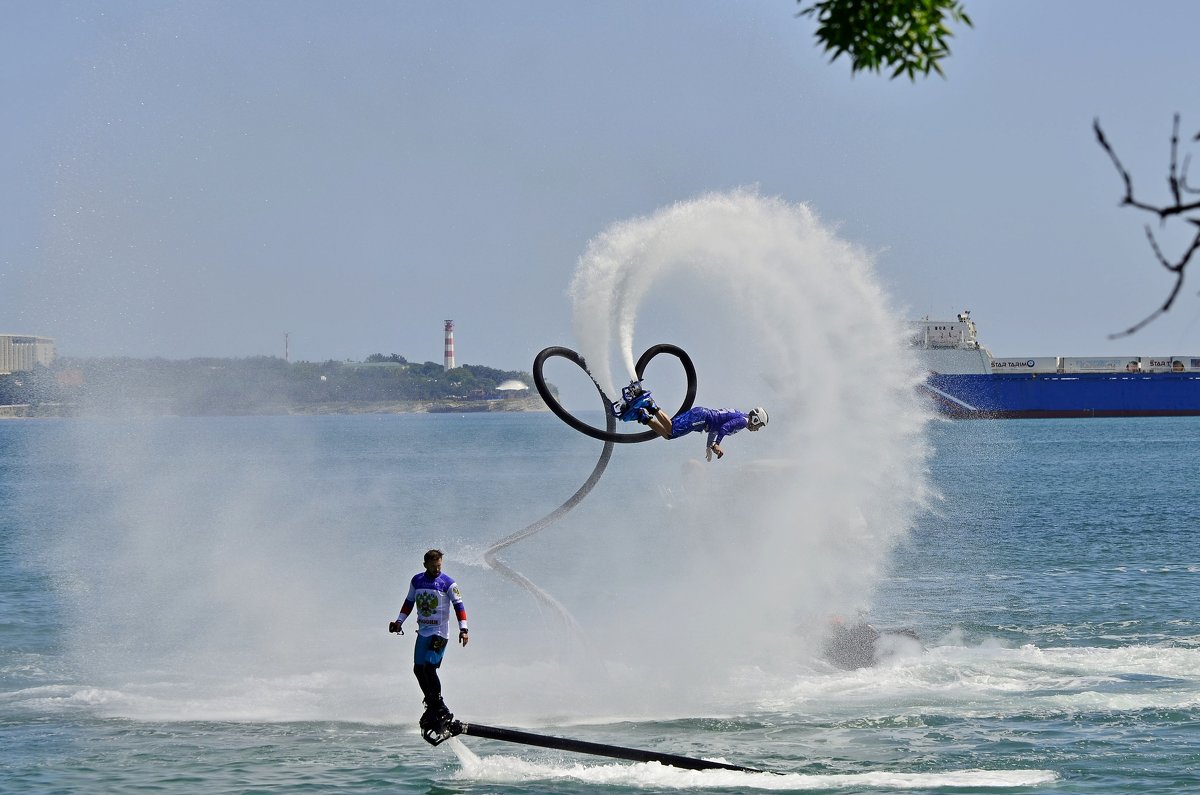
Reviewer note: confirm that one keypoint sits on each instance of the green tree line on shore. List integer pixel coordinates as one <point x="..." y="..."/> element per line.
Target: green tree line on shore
<point x="262" y="384"/>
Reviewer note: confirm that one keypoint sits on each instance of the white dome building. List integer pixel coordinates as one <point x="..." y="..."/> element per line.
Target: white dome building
<point x="512" y="388"/>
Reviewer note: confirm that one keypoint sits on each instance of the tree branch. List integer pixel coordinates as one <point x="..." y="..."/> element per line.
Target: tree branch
<point x="1178" y="186"/>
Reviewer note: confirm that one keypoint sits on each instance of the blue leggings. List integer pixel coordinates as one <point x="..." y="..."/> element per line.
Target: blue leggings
<point x="691" y="420"/>
<point x="425" y="665"/>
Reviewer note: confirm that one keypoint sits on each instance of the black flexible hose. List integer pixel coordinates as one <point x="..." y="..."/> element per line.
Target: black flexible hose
<point x="609" y="435"/>
<point x="489" y="556"/>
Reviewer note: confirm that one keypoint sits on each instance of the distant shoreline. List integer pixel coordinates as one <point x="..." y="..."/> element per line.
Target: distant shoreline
<point x="508" y="405"/>
<point x="333" y="408"/>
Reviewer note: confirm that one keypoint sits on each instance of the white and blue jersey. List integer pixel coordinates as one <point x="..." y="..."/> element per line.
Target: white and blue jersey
<point x="718" y="423"/>
<point x="433" y="597"/>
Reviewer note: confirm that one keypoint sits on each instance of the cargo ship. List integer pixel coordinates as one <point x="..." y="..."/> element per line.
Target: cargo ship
<point x="965" y="381"/>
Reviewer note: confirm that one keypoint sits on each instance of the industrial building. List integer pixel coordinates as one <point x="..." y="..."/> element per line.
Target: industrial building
<point x="21" y="353"/>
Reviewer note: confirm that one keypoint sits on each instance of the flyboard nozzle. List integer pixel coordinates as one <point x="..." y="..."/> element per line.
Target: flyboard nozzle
<point x="437" y="734"/>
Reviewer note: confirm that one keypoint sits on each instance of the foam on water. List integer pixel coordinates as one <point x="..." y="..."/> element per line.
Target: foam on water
<point x="990" y="681"/>
<point x="503" y="769"/>
<point x="954" y="682"/>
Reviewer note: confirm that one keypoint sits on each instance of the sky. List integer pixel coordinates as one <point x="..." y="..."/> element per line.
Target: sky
<point x="201" y="179"/>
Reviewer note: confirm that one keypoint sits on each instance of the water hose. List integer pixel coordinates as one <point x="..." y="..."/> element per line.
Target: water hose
<point x="608" y="435"/>
<point x="489" y="556"/>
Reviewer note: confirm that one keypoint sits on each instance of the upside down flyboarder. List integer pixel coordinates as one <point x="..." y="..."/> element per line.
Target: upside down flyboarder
<point x="637" y="405"/>
<point x="433" y="594"/>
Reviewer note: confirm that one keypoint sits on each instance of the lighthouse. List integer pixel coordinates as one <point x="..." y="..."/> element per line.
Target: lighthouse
<point x="449" y="361"/>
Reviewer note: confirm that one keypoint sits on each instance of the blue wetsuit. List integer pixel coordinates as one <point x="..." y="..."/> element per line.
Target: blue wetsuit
<point x="719" y="423"/>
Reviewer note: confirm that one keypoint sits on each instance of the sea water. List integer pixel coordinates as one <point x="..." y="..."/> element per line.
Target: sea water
<point x="200" y="605"/>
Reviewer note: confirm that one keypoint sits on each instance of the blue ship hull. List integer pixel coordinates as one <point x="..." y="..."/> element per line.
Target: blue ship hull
<point x="1047" y="395"/>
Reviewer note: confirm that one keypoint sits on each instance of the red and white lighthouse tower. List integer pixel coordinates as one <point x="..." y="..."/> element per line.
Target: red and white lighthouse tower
<point x="449" y="363"/>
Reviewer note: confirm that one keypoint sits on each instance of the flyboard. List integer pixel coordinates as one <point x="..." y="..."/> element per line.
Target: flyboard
<point x="437" y="734"/>
<point x="436" y="730"/>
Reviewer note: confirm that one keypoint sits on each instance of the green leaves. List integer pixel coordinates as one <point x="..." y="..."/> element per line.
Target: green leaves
<point x="907" y="37"/>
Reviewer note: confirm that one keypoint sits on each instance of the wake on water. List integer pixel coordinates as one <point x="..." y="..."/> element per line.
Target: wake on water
<point x="502" y="769"/>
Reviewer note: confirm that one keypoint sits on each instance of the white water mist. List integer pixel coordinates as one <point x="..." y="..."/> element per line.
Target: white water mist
<point x="246" y="568"/>
<point x="797" y="522"/>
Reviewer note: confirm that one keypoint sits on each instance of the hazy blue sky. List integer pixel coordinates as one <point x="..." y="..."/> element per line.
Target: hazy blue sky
<point x="186" y="179"/>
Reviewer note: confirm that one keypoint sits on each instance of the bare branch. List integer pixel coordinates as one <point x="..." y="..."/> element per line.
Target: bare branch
<point x="1172" y="178"/>
<point x="1120" y="168"/>
<point x="1162" y="212"/>
<point x="1136" y="327"/>
<point x="1177" y="184"/>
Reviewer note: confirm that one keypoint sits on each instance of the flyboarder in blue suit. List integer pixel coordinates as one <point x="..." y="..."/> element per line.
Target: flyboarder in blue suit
<point x="637" y="405"/>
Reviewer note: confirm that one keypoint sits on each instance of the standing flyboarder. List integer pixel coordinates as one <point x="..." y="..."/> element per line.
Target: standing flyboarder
<point x="432" y="593"/>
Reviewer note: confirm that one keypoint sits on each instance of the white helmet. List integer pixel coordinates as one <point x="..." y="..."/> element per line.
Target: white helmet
<point x="757" y="418"/>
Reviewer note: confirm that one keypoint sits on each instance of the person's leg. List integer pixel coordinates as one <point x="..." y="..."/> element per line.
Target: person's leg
<point x="425" y="667"/>
<point x="660" y="423"/>
<point x="681" y="424"/>
<point x="431" y="685"/>
<point x="436" y="712"/>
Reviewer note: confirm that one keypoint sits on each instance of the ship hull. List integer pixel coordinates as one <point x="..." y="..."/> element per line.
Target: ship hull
<point x="1038" y="395"/>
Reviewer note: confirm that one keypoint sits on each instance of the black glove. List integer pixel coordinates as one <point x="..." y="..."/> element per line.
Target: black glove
<point x="396" y="627"/>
